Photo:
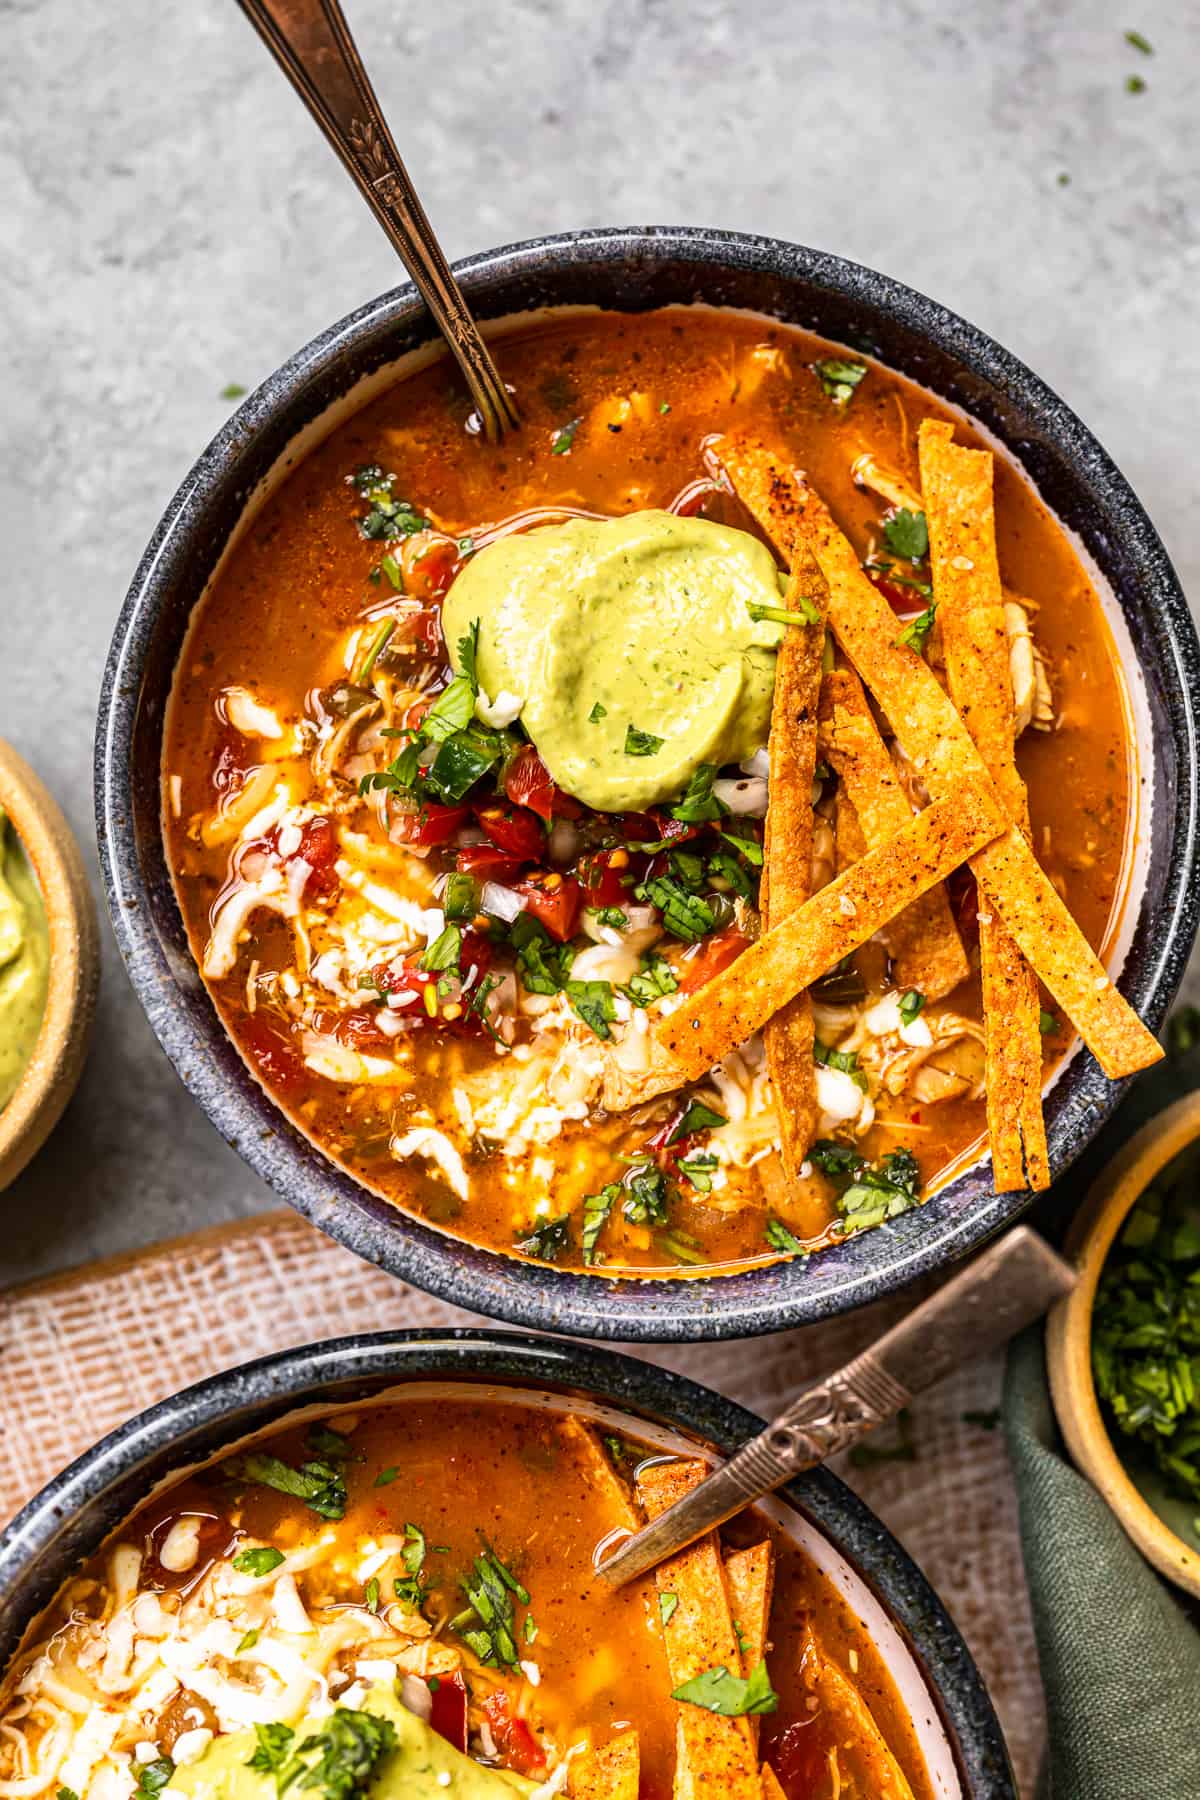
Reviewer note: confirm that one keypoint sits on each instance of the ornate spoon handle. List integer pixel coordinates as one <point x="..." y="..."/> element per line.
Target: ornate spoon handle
<point x="311" y="42"/>
<point x="1005" y="1289"/>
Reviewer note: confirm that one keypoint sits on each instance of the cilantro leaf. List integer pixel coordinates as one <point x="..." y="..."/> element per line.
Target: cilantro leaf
<point x="685" y="915"/>
<point x="594" y="1003"/>
<point x="696" y="1117"/>
<point x="666" y="1607"/>
<point x="444" y="951"/>
<point x="717" y="1691"/>
<point x="655" y="979"/>
<point x="413" y="1553"/>
<point x="780" y="1238"/>
<point x="699" y="804"/>
<point x="907" y="534"/>
<point x="910" y="1005"/>
<point x="153" y="1777"/>
<point x="641" y="743"/>
<point x="468" y="655"/>
<point x="646" y="1196"/>
<point x="564" y="437"/>
<point x="596" y="1211"/>
<point x="318" y="1484"/>
<point x="839" y="378"/>
<point x="258" y="1561"/>
<point x="916" y="632"/>
<point x="546" y="1242"/>
<point x="699" y="1169"/>
<point x="350" y="1746"/>
<point x="597" y="713"/>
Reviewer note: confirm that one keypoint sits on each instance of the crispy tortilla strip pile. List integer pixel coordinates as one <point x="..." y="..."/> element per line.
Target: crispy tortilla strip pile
<point x="611" y="1773"/>
<point x="934" y="738"/>
<point x="960" y="512"/>
<point x="787" y="870"/>
<point x="716" y="1757"/>
<point x="736" y="1003"/>
<point x="923" y="941"/>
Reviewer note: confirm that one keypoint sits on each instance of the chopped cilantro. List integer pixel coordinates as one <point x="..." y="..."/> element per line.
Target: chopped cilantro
<point x="274" y="1755"/>
<point x="233" y="390"/>
<point x="468" y="655"/>
<point x="696" y="1117"/>
<point x="489" y="1623"/>
<point x="845" y="1061"/>
<point x="613" y="917"/>
<point x="699" y="804"/>
<point x="699" y="1169"/>
<point x="910" y="1006"/>
<point x="350" y="1746"/>
<point x="593" y="1002"/>
<point x="666" y="1606"/>
<point x="907" y="533"/>
<point x="646" y="1195"/>
<point x="564" y="437"/>
<point x="248" y="1641"/>
<point x="388" y="518"/>
<point x="1134" y="84"/>
<point x="878" y="1194"/>
<point x="685" y="915"/>
<point x="1047" y="1022"/>
<point x="461" y="897"/>
<point x="1138" y="42"/>
<point x="596" y="1211"/>
<point x="717" y="1691"/>
<point x="334" y="1446"/>
<point x="780" y="1238"/>
<point x="749" y="847"/>
<point x="641" y="743"/>
<point x="546" y="1242"/>
<point x="916" y="632"/>
<point x="839" y="378"/>
<point x="319" y="1484"/>
<point x="444" y="951"/>
<point x="377" y="645"/>
<point x="655" y="979"/>
<point x="371" y="1594"/>
<point x="806" y="612"/>
<point x="597" y="713"/>
<point x="529" y="1630"/>
<point x="258" y="1561"/>
<point x="153" y="1777"/>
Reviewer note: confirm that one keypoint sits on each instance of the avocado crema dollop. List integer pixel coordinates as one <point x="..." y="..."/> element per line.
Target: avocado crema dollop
<point x="631" y="645"/>
<point x="24" y="960"/>
<point x="419" y="1766"/>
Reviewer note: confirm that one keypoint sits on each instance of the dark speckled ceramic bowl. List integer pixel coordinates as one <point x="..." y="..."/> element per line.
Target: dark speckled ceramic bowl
<point x="633" y="270"/>
<point x="957" y="1729"/>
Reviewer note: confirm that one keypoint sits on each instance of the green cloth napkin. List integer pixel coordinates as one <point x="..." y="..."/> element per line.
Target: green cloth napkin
<point x="1120" y="1661"/>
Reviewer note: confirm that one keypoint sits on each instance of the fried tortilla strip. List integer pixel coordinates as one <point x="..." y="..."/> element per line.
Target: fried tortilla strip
<point x="750" y="1577"/>
<point x="717" y="1758"/>
<point x="960" y="512"/>
<point x="787" y="864"/>
<point x="771" y="1787"/>
<point x="864" y="1753"/>
<point x="611" y="1773"/>
<point x="736" y="1003"/>
<point x="923" y="940"/>
<point x="935" y="739"/>
<point x="617" y="1505"/>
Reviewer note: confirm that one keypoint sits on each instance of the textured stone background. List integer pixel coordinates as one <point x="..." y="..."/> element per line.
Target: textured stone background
<point x="170" y="222"/>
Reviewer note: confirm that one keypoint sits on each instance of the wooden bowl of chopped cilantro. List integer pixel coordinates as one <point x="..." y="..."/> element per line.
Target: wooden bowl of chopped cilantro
<point x="1124" y="1347"/>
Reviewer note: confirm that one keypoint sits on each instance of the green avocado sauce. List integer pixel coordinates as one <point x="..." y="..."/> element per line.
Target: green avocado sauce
<point x="24" y="960"/>
<point x="631" y="644"/>
<point x="421" y="1766"/>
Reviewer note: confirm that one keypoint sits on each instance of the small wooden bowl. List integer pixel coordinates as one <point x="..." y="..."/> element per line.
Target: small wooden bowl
<point x="1069" y="1333"/>
<point x="50" y="1076"/>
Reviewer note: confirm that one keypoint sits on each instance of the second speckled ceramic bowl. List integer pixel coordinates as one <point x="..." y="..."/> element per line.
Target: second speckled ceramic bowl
<point x="632" y="270"/>
<point x="931" y="1666"/>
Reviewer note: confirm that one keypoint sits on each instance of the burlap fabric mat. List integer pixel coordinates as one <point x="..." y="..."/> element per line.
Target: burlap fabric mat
<point x="80" y="1353"/>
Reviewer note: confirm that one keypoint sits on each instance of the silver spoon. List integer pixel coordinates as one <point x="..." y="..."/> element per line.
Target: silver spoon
<point x="311" y="42"/>
<point x="1008" y="1287"/>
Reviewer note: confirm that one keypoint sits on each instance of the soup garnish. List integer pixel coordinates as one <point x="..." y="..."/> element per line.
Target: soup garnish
<point x="400" y="1602"/>
<point x="583" y="840"/>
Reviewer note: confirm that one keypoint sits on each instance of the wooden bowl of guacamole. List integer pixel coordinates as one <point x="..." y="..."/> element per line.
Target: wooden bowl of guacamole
<point x="49" y="963"/>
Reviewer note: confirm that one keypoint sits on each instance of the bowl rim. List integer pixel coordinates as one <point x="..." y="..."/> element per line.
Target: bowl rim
<point x="56" y="1061"/>
<point x="1089" y="1241"/>
<point x="233" y="1403"/>
<point x="767" y="1297"/>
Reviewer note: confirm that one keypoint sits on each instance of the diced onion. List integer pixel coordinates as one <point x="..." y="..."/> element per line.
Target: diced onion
<point x="502" y="902"/>
<point x="758" y="764"/>
<point x="747" y="795"/>
<point x="415" y="1697"/>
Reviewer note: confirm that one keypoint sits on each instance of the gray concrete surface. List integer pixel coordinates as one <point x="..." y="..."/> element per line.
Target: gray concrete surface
<point x="170" y="222"/>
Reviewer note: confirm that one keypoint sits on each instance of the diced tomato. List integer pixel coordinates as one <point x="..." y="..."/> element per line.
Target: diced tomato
<point x="449" y="1715"/>
<point x="901" y="599"/>
<point x="555" y="902"/>
<point x="319" y="848"/>
<point x="603" y="883"/>
<point x="428" y="575"/>
<point x="270" y="1044"/>
<point x="516" y="829"/>
<point x="528" y="782"/>
<point x="656" y="827"/>
<point x="709" y="958"/>
<point x="389" y="980"/>
<point x="476" y="952"/>
<point x="432" y="825"/>
<point x="357" y="1029"/>
<point x="514" y="1740"/>
<point x="487" y="863"/>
